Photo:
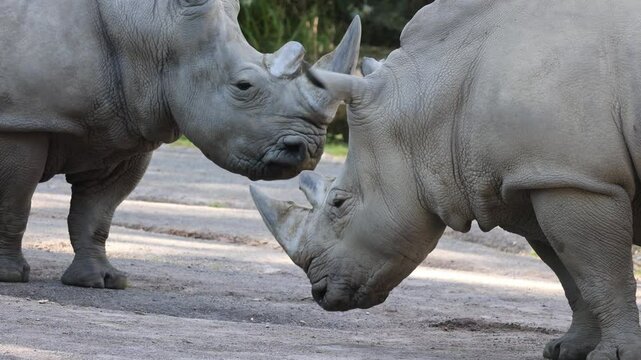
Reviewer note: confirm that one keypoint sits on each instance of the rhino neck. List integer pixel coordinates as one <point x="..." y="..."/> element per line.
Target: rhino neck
<point x="134" y="69"/>
<point x="435" y="70"/>
<point x="427" y="135"/>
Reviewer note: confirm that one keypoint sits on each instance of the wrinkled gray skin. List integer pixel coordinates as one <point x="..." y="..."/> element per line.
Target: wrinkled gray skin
<point x="520" y="114"/>
<point x="90" y="88"/>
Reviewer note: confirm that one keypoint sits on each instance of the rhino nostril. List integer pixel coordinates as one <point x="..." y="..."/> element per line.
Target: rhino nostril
<point x="295" y="147"/>
<point x="319" y="290"/>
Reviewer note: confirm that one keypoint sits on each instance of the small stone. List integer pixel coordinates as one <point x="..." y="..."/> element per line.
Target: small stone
<point x="43" y="301"/>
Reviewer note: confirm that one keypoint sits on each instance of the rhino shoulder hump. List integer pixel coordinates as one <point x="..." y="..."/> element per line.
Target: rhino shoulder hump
<point x="434" y="22"/>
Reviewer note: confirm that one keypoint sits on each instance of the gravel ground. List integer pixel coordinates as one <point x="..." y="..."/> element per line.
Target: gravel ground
<point x="207" y="281"/>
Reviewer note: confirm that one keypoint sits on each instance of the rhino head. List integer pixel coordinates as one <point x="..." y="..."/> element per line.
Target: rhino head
<point x="251" y="113"/>
<point x="369" y="228"/>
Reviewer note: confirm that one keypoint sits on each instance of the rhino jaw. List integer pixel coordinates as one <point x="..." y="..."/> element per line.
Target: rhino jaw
<point x="285" y="220"/>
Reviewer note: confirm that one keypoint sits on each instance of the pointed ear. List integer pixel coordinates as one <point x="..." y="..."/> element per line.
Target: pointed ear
<point x="315" y="187"/>
<point x="369" y="66"/>
<point x="347" y="88"/>
<point x="234" y="6"/>
<point x="287" y="61"/>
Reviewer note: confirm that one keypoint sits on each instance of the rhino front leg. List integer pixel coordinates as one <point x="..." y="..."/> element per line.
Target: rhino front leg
<point x="95" y="197"/>
<point x="592" y="236"/>
<point x="584" y="333"/>
<point x="22" y="162"/>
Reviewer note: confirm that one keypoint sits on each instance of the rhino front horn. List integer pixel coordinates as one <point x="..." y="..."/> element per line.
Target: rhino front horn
<point x="345" y="57"/>
<point x="285" y="220"/>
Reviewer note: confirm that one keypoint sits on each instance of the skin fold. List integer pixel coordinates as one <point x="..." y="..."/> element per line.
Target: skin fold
<point x="517" y="114"/>
<point x="90" y="88"/>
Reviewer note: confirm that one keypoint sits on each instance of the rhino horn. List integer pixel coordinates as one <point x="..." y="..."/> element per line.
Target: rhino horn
<point x="369" y="66"/>
<point x="342" y="60"/>
<point x="315" y="187"/>
<point x="285" y="220"/>
<point x="345" y="57"/>
<point x="287" y="61"/>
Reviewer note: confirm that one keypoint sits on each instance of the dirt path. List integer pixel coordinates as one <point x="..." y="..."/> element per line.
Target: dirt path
<point x="210" y="283"/>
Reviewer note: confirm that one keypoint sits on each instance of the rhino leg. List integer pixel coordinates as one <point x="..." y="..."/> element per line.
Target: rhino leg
<point x="21" y="167"/>
<point x="95" y="197"/>
<point x="592" y="236"/>
<point x="584" y="333"/>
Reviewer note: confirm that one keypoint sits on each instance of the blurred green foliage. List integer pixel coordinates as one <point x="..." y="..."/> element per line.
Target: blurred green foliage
<point x="320" y="24"/>
<point x="269" y="24"/>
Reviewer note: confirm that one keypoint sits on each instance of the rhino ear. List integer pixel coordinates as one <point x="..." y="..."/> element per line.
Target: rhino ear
<point x="348" y="88"/>
<point x="287" y="61"/>
<point x="235" y="7"/>
<point x="315" y="187"/>
<point x="369" y="66"/>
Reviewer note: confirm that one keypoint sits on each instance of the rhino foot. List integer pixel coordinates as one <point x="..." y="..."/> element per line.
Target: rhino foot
<point x="628" y="351"/>
<point x="94" y="273"/>
<point x="14" y="269"/>
<point x="570" y="346"/>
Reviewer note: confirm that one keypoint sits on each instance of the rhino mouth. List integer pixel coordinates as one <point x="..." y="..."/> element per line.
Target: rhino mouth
<point x="285" y="159"/>
<point x="332" y="296"/>
<point x="289" y="156"/>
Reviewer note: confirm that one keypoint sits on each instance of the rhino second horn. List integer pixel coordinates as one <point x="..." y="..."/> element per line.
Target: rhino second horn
<point x="285" y="220"/>
<point x="287" y="61"/>
<point x="315" y="187"/>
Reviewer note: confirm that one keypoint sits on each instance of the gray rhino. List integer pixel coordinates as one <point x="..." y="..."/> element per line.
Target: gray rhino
<point x="524" y="115"/>
<point x="90" y="88"/>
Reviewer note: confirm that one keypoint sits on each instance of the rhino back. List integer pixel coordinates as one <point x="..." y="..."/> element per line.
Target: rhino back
<point x="536" y="94"/>
<point x="51" y="65"/>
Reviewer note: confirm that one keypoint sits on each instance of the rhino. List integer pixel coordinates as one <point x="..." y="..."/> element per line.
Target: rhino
<point x="524" y="115"/>
<point x="90" y="88"/>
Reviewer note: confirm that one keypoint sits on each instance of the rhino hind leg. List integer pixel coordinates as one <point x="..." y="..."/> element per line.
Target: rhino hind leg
<point x="592" y="236"/>
<point x="584" y="333"/>
<point x="95" y="197"/>
<point x="21" y="168"/>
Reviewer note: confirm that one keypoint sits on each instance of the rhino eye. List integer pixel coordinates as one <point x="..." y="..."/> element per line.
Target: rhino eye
<point x="338" y="202"/>
<point x="244" y="86"/>
<point x="193" y="2"/>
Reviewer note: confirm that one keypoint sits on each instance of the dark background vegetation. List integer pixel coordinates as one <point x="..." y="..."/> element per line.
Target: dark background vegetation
<point x="320" y="24"/>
